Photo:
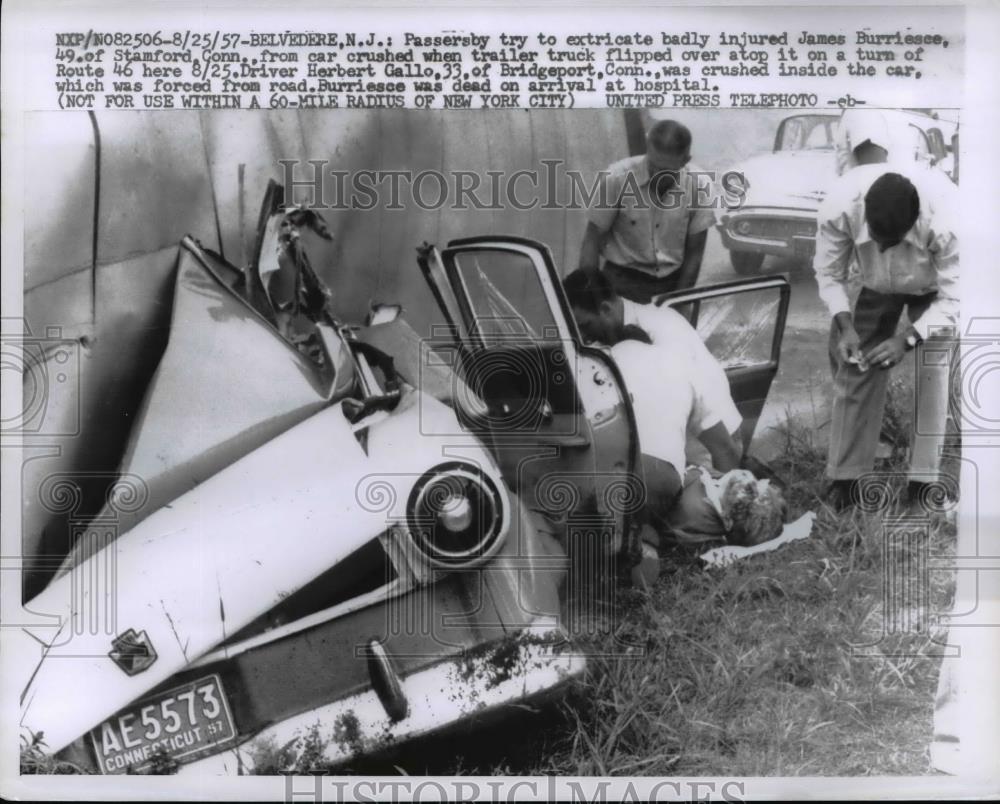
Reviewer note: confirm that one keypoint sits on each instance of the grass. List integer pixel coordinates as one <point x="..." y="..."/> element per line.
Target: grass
<point x="750" y="671"/>
<point x="36" y="760"/>
<point x="797" y="662"/>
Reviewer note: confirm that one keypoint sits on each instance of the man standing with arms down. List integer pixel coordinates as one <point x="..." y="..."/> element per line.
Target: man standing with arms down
<point x="651" y="219"/>
<point x="902" y="231"/>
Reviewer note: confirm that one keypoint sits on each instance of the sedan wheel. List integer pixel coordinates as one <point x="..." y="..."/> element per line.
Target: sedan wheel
<point x="746" y="263"/>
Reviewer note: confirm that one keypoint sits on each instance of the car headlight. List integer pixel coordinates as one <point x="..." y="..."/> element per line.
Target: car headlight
<point x="743" y="227"/>
<point x="456" y="515"/>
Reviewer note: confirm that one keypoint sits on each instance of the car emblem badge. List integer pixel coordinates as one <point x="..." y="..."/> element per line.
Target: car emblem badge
<point x="132" y="652"/>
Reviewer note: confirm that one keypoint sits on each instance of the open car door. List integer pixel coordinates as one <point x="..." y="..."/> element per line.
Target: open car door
<point x="552" y="410"/>
<point x="742" y="324"/>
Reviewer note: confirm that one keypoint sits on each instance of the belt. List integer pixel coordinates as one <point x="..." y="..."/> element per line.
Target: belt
<point x="636" y="271"/>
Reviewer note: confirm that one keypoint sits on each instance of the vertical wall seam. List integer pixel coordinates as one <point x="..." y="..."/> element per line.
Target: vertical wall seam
<point x="211" y="183"/>
<point x="97" y="209"/>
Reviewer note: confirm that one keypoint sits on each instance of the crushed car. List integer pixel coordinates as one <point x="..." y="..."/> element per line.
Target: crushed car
<point x="335" y="538"/>
<point x="781" y="190"/>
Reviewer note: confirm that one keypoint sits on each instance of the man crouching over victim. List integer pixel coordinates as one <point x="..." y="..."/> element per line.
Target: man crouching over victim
<point x="679" y="389"/>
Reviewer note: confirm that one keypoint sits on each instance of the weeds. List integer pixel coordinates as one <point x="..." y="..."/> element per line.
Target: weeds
<point x="303" y="754"/>
<point x="805" y="661"/>
<point x="36" y="760"/>
<point x="780" y="666"/>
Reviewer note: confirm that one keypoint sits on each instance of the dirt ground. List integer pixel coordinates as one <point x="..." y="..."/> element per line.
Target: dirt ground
<point x="803" y="384"/>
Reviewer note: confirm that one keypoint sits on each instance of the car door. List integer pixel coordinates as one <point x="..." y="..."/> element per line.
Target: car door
<point x="742" y="324"/>
<point x="553" y="410"/>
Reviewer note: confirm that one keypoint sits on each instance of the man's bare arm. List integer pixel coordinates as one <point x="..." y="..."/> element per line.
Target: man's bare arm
<point x="721" y="446"/>
<point x="694" y="251"/>
<point x="590" y="250"/>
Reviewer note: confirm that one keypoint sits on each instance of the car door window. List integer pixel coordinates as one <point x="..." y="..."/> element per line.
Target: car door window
<point x="519" y="356"/>
<point x="921" y="146"/>
<point x="742" y="324"/>
<point x="739" y="329"/>
<point x="505" y="296"/>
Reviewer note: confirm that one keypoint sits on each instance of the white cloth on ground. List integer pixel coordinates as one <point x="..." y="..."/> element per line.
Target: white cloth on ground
<point x="801" y="528"/>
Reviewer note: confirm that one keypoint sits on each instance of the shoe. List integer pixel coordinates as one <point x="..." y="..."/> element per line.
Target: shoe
<point x="911" y="500"/>
<point x="840" y="495"/>
<point x="645" y="573"/>
<point x="923" y="499"/>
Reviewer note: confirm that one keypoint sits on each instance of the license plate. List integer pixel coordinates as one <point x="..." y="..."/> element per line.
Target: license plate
<point x="180" y="724"/>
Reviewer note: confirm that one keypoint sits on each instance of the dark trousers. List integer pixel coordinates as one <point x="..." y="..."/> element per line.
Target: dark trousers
<point x="677" y="507"/>
<point x="859" y="396"/>
<point x="663" y="486"/>
<point x="639" y="286"/>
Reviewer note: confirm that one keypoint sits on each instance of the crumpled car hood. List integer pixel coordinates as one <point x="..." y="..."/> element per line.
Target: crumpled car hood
<point x="226" y="384"/>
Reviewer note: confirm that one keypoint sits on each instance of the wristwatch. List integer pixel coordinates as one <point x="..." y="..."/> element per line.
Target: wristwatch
<point x="912" y="339"/>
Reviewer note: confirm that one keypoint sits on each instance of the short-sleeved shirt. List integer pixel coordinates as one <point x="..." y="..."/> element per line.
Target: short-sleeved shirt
<point x="679" y="345"/>
<point x="666" y="404"/>
<point x="925" y="261"/>
<point x="645" y="233"/>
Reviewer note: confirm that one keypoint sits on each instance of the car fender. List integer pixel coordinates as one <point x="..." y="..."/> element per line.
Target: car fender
<point x="220" y="555"/>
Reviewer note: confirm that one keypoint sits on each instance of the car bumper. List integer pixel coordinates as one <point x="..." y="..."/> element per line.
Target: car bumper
<point x="447" y="694"/>
<point x="779" y="232"/>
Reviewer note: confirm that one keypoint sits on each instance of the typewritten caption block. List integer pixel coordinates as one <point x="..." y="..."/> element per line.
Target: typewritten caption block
<point x="186" y="69"/>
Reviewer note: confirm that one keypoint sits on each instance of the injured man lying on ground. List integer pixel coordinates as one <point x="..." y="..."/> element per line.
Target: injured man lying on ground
<point x="680" y="395"/>
<point x="692" y="504"/>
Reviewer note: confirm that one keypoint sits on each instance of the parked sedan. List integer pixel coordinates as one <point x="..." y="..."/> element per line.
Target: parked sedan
<point x="783" y="188"/>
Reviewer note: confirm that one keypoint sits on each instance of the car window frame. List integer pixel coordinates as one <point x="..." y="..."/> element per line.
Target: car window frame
<point x="828" y="120"/>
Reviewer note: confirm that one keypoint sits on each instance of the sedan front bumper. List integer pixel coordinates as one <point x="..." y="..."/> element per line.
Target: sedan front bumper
<point x="777" y="231"/>
<point x="468" y="687"/>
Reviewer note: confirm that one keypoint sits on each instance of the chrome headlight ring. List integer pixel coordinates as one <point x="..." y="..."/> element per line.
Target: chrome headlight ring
<point x="457" y="515"/>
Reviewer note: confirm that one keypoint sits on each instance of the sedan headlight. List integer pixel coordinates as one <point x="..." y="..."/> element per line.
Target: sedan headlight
<point x="457" y="516"/>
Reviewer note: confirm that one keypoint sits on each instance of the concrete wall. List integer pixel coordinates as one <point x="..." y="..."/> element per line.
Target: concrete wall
<point x="166" y="174"/>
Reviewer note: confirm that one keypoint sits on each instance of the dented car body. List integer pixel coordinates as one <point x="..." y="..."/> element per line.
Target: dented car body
<point x="326" y="539"/>
<point x="337" y="533"/>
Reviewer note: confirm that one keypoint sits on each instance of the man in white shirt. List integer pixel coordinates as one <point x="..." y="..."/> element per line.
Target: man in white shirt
<point x="678" y="389"/>
<point x="901" y="230"/>
<point x="602" y="315"/>
<point x="694" y="505"/>
<point x="667" y="405"/>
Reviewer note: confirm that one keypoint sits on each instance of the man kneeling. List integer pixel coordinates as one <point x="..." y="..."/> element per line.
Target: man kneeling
<point x="696" y="505"/>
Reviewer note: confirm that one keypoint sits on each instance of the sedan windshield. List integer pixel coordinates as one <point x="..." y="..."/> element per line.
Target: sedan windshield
<point x="807" y="132"/>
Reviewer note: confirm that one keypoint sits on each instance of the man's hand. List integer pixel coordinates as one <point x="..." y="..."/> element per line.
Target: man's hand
<point x="849" y="343"/>
<point x="694" y="251"/>
<point x="725" y="452"/>
<point x="888" y="353"/>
